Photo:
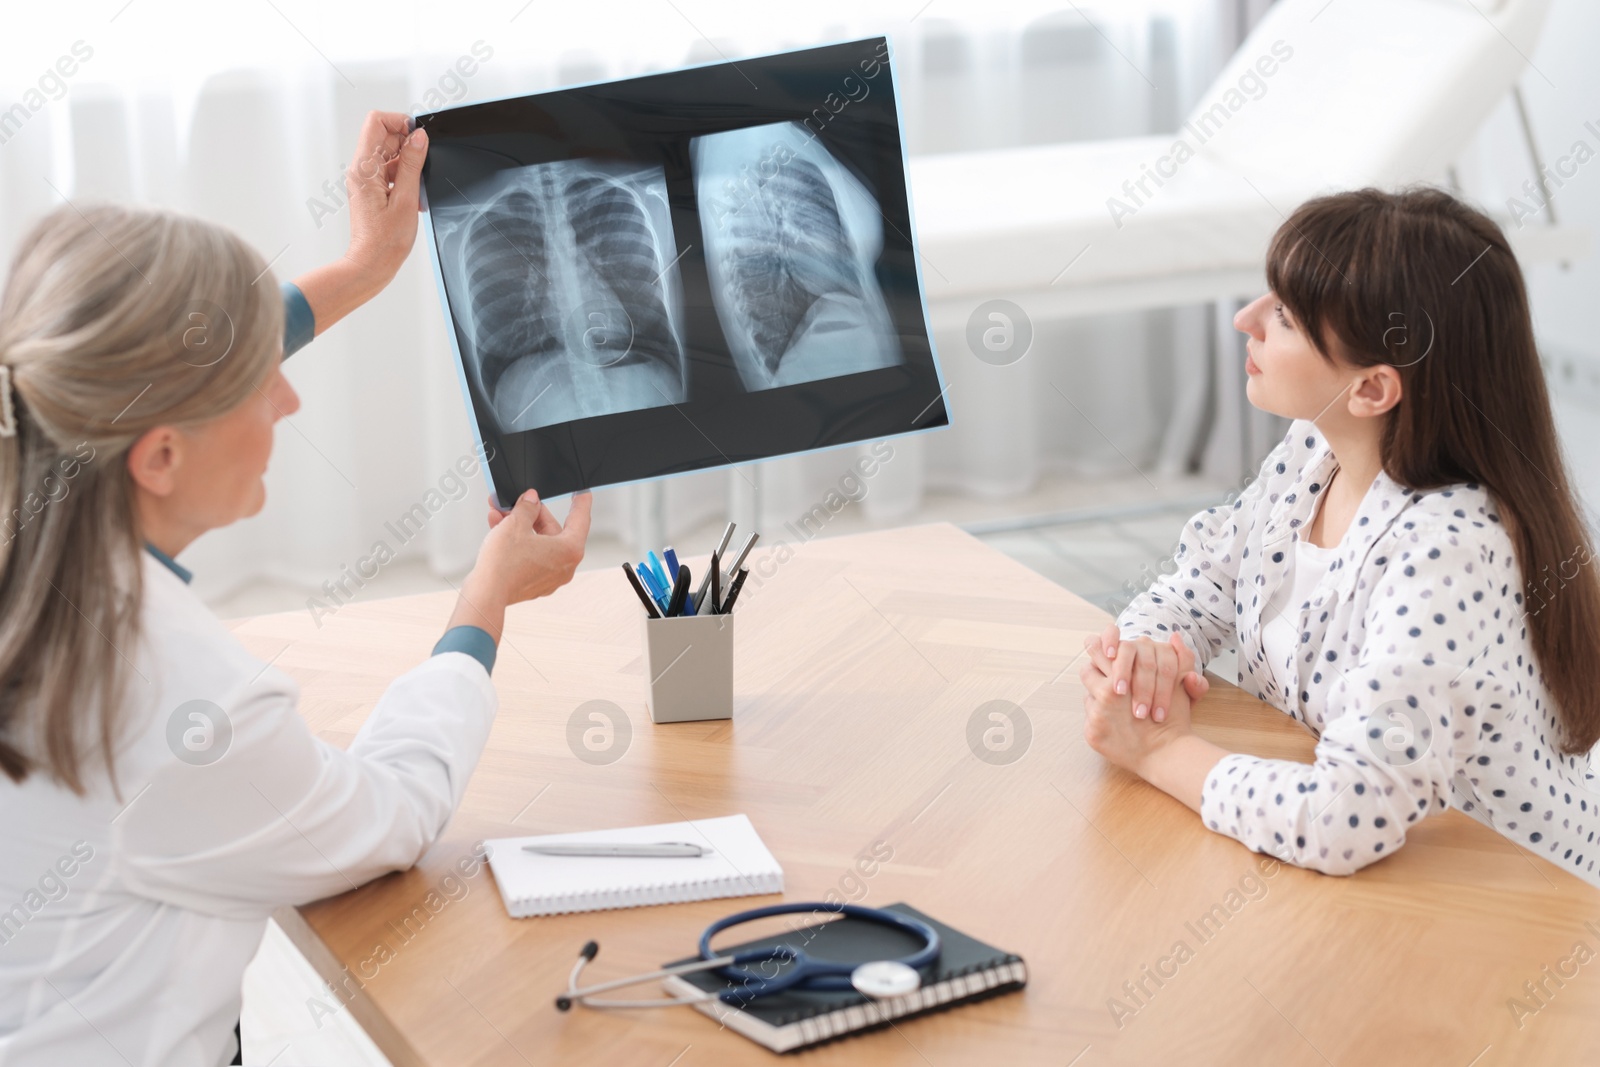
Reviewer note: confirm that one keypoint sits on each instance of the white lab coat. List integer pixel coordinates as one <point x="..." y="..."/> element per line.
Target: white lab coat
<point x="1414" y="668"/>
<point x="135" y="956"/>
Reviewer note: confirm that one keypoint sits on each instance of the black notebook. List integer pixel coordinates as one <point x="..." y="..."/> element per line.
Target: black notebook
<point x="966" y="970"/>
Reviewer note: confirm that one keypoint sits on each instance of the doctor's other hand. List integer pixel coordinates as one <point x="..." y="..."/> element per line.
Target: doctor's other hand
<point x="1127" y="740"/>
<point x="384" y="182"/>
<point x="527" y="554"/>
<point x="1147" y="672"/>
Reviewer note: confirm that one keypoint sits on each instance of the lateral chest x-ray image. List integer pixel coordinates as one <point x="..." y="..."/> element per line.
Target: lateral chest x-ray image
<point x="572" y="303"/>
<point x="679" y="271"/>
<point x="790" y="238"/>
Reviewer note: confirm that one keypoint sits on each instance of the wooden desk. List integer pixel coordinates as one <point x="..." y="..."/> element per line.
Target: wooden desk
<point x="860" y="664"/>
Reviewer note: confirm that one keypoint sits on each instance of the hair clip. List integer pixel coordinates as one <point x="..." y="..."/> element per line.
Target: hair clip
<point x="8" y="413"/>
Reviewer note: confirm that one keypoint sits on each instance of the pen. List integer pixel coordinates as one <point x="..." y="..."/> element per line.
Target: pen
<point x="680" y="592"/>
<point x="659" y="571"/>
<point x="738" y="561"/>
<point x="705" y="581"/>
<point x="644" y="594"/>
<point x="733" y="591"/>
<point x="716" y="583"/>
<point x="657" y="591"/>
<point x="672" y="562"/>
<point x="662" y="848"/>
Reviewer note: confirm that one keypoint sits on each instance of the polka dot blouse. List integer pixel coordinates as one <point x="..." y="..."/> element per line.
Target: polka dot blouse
<point x="1413" y="667"/>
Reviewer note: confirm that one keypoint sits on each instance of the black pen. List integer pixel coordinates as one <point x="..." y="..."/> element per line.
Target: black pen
<point x="644" y="595"/>
<point x="705" y="582"/>
<point x="680" y="592"/>
<point x="716" y="583"/>
<point x="733" y="591"/>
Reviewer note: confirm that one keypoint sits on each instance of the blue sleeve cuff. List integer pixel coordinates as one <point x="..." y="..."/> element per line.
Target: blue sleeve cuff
<point x="299" y="323"/>
<point x="473" y="640"/>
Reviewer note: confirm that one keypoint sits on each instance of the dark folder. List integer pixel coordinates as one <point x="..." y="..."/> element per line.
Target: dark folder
<point x="967" y="970"/>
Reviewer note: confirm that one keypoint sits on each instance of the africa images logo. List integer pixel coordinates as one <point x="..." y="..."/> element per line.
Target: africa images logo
<point x="598" y="732"/>
<point x="999" y="732"/>
<point x="199" y="732"/>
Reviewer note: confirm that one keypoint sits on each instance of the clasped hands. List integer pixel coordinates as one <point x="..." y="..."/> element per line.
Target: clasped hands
<point x="1138" y="696"/>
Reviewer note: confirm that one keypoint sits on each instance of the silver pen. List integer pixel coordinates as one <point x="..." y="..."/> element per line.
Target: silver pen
<point x="705" y="579"/>
<point x="730" y="573"/>
<point x="655" y="849"/>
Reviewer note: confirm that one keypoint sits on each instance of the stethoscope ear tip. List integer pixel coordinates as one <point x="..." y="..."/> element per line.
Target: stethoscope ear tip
<point x="563" y="1004"/>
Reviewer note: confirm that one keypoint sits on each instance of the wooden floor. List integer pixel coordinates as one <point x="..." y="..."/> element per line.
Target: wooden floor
<point x="862" y="664"/>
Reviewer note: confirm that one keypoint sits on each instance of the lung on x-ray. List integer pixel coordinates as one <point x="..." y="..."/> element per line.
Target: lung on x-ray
<point x="791" y="236"/>
<point x="680" y="271"/>
<point x="573" y="308"/>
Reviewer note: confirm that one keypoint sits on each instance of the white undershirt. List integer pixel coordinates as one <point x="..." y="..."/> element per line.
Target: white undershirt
<point x="1280" y="629"/>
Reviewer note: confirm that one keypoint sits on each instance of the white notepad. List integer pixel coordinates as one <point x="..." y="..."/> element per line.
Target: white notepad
<point x="533" y="884"/>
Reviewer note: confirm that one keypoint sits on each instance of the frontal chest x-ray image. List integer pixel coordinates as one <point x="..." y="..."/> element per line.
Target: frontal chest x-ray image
<point x="572" y="305"/>
<point x="791" y="236"/>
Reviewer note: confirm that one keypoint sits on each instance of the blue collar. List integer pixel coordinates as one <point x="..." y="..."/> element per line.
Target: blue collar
<point x="173" y="565"/>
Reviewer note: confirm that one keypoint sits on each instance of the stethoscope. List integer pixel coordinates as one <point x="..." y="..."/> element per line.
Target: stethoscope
<point x="877" y="979"/>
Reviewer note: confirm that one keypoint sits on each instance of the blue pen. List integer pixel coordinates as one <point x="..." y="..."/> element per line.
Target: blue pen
<point x="672" y="562"/>
<point x="653" y="584"/>
<point x="663" y="593"/>
<point x="660" y="571"/>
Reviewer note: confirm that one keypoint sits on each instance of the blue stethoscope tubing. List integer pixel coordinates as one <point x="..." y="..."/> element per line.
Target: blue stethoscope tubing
<point x="807" y="973"/>
<point x="804" y="973"/>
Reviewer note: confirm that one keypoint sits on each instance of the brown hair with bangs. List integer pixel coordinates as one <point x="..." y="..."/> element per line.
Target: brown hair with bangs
<point x="1427" y="284"/>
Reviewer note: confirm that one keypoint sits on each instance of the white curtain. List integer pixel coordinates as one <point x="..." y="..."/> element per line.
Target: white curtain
<point x="246" y="114"/>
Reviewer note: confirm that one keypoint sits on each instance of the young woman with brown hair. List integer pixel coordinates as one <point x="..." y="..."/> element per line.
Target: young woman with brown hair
<point x="1409" y="574"/>
<point x="161" y="795"/>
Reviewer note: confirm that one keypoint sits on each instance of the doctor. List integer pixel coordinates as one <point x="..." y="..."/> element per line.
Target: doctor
<point x="161" y="795"/>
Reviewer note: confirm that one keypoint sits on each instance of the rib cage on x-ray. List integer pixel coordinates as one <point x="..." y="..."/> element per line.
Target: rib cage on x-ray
<point x="611" y="228"/>
<point x="569" y="298"/>
<point x="787" y="249"/>
<point x="796" y="299"/>
<point x="508" y="277"/>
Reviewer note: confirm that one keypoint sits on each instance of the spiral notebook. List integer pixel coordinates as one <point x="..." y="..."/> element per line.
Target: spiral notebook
<point x="966" y="971"/>
<point x="739" y="865"/>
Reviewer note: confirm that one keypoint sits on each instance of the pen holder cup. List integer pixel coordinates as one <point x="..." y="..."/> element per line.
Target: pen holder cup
<point x="689" y="660"/>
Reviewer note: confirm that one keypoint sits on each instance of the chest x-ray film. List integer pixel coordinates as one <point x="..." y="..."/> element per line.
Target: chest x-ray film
<point x="683" y="270"/>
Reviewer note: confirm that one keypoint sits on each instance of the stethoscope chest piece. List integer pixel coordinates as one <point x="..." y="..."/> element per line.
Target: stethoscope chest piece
<point x="885" y="978"/>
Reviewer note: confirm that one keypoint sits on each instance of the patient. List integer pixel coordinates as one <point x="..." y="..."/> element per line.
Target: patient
<point x="1408" y="574"/>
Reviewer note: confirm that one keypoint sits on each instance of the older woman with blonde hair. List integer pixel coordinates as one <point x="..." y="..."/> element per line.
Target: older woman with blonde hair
<point x="161" y="795"/>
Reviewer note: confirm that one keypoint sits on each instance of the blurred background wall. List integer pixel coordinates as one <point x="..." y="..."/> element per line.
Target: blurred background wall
<point x="247" y="112"/>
